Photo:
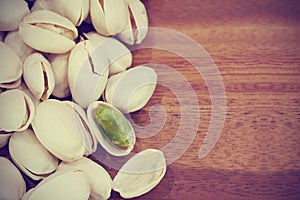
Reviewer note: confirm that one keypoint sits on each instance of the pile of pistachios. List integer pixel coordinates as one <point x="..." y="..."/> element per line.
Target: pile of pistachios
<point x="64" y="93"/>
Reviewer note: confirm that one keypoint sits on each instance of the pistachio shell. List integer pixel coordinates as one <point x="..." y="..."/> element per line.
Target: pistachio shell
<point x="38" y="76"/>
<point x="140" y="174"/>
<point x="12" y="85"/>
<point x="4" y="138"/>
<point x="16" y="111"/>
<point x="26" y="90"/>
<point x="12" y="184"/>
<point x="55" y="127"/>
<point x="48" y="31"/>
<point x="103" y="140"/>
<point x="99" y="179"/>
<point x="31" y="156"/>
<point x="129" y="91"/>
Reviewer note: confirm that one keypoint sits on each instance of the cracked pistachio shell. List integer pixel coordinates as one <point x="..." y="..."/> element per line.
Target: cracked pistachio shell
<point x="87" y="72"/>
<point x="140" y="174"/>
<point x="16" y="110"/>
<point x="38" y="76"/>
<point x="48" y="31"/>
<point x="137" y="26"/>
<point x="11" y="14"/>
<point x="71" y="185"/>
<point x="11" y="67"/>
<point x="119" y="56"/>
<point x="130" y="91"/>
<point x="12" y="184"/>
<point x="109" y="17"/>
<point x="55" y="126"/>
<point x="31" y="156"/>
<point x="4" y="138"/>
<point x="99" y="179"/>
<point x="102" y="138"/>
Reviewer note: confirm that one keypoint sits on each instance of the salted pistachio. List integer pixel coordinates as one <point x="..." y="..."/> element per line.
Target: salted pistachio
<point x="12" y="184"/>
<point x="16" y="43"/>
<point x="111" y="128"/>
<point x="11" y="67"/>
<point x="23" y="87"/>
<point x="137" y="26"/>
<point x="71" y="185"/>
<point x="11" y="14"/>
<point x="87" y="72"/>
<point x="38" y="76"/>
<point x="59" y="63"/>
<point x="99" y="179"/>
<point x="130" y="91"/>
<point x="16" y="111"/>
<point x="48" y="31"/>
<point x="4" y="138"/>
<point x="140" y="174"/>
<point x="109" y="17"/>
<point x="119" y="56"/>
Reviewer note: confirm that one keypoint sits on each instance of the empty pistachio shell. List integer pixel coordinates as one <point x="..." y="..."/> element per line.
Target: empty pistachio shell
<point x="11" y="14"/>
<point x="31" y="156"/>
<point x="137" y="26"/>
<point x="115" y="133"/>
<point x="140" y="174"/>
<point x="87" y="72"/>
<point x="11" y="67"/>
<point x="12" y="184"/>
<point x="4" y="138"/>
<point x="109" y="17"/>
<point x="16" y="110"/>
<point x="129" y="91"/>
<point x="100" y="180"/>
<point x="48" y="31"/>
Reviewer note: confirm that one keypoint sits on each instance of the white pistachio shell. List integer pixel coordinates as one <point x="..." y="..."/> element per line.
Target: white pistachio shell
<point x="140" y="174"/>
<point x="16" y="43"/>
<point x="104" y="142"/>
<point x="59" y="63"/>
<point x="55" y="126"/>
<point x="119" y="56"/>
<point x="87" y="72"/>
<point x="38" y="76"/>
<point x="4" y="138"/>
<point x="71" y="185"/>
<point x="16" y="110"/>
<point x="137" y="26"/>
<point x="26" y="90"/>
<point x="31" y="156"/>
<point x="11" y="14"/>
<point x="11" y="67"/>
<point x="48" y="31"/>
<point x="99" y="179"/>
<point x="109" y="18"/>
<point x="130" y="91"/>
<point x="12" y="184"/>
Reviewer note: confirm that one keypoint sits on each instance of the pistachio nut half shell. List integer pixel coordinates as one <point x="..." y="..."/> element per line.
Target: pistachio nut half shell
<point x="87" y="72"/>
<point x="11" y="67"/>
<point x="48" y="32"/>
<point x="137" y="26"/>
<point x="4" y="138"/>
<point x="130" y="91"/>
<point x="16" y="110"/>
<point x="100" y="180"/>
<point x="140" y="174"/>
<point x="111" y="128"/>
<point x="12" y="184"/>
<point x="109" y="17"/>
<point x="31" y="156"/>
<point x="38" y="76"/>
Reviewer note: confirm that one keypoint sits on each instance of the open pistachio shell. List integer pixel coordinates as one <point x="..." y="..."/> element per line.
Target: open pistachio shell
<point x="31" y="156"/>
<point x="130" y="91"/>
<point x="16" y="110"/>
<point x="12" y="184"/>
<point x="48" y="31"/>
<point x="38" y="76"/>
<point x="111" y="138"/>
<point x="100" y="180"/>
<point x="140" y="174"/>
<point x="4" y="138"/>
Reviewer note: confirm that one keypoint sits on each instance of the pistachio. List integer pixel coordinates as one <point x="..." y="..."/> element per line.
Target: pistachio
<point x="26" y="90"/>
<point x="4" y="138"/>
<point x="48" y="31"/>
